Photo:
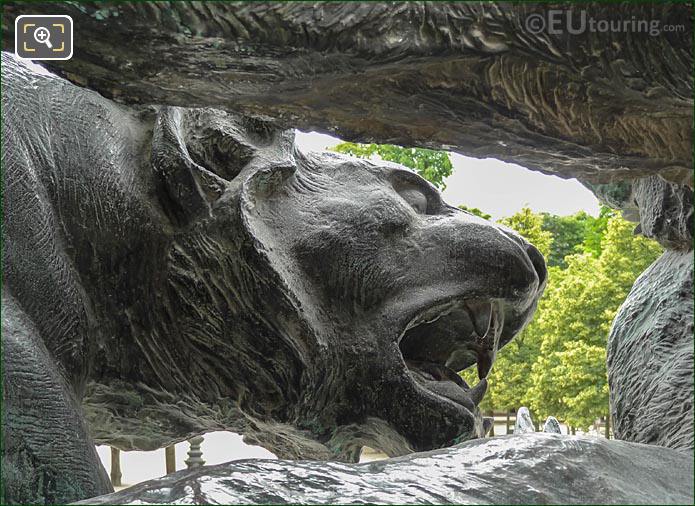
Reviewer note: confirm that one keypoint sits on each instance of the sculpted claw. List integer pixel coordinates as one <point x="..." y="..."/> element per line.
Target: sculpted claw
<point x="524" y="423"/>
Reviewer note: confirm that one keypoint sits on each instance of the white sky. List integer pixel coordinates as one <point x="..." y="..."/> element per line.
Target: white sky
<point x="496" y="187"/>
<point x="217" y="448"/>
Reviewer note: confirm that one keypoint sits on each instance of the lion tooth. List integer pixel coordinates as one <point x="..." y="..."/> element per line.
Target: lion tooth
<point x="481" y="316"/>
<point x="484" y="363"/>
<point x="477" y="393"/>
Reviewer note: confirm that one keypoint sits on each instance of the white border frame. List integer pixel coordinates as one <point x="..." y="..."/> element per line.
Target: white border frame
<point x="16" y="35"/>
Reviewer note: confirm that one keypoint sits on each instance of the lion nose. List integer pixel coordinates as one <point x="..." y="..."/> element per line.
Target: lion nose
<point x="538" y="263"/>
<point x="533" y="254"/>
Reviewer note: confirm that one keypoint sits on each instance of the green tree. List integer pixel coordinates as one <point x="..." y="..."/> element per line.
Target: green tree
<point x="568" y="233"/>
<point x="557" y="364"/>
<point x="577" y="233"/>
<point x="581" y="376"/>
<point x="530" y="226"/>
<point x="569" y="376"/>
<point x="596" y="229"/>
<point x="435" y="166"/>
<point x="476" y="212"/>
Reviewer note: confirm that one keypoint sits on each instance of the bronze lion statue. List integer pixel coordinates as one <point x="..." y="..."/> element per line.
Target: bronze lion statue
<point x="172" y="271"/>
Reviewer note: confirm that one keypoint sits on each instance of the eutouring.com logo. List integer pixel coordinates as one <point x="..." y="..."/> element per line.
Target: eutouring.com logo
<point x="558" y="21"/>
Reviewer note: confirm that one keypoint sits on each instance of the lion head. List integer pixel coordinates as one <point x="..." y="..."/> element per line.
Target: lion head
<point x="206" y="275"/>
<point x="336" y="295"/>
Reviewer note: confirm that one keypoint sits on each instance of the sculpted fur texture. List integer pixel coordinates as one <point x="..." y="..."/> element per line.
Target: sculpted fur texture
<point x="174" y="271"/>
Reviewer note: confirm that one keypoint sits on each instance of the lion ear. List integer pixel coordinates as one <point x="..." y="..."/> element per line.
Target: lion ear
<point x="256" y="193"/>
<point x="198" y="152"/>
<point x="189" y="186"/>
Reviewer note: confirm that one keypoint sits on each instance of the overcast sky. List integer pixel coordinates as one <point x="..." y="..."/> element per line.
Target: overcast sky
<point x="496" y="187"/>
<point x="217" y="447"/>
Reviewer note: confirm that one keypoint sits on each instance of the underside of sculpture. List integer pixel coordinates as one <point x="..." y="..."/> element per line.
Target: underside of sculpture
<point x="537" y="469"/>
<point x="173" y="265"/>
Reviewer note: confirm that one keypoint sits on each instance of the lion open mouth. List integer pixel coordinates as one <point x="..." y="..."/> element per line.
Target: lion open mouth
<point x="448" y="337"/>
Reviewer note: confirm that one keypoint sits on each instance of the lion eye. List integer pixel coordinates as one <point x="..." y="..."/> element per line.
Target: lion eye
<point x="415" y="198"/>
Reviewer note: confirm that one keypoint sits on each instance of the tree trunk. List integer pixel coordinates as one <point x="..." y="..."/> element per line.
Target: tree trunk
<point x="607" y="432"/>
<point x="508" y="422"/>
<point x="170" y="457"/>
<point x="116" y="467"/>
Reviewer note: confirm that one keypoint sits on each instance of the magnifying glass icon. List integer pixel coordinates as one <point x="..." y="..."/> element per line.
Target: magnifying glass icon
<point x="43" y="36"/>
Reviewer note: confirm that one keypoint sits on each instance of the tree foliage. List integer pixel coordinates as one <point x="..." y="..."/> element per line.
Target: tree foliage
<point x="475" y="212"/>
<point x="568" y="234"/>
<point x="596" y="229"/>
<point x="557" y="364"/>
<point x="434" y="166"/>
<point x="569" y="375"/>
<point x="530" y="226"/>
<point x="577" y="233"/>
